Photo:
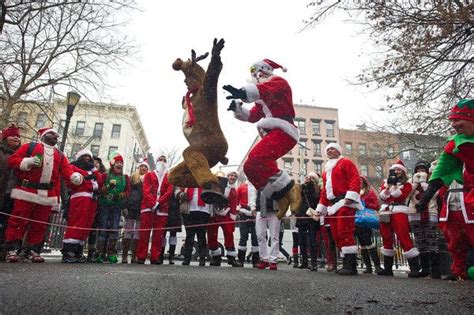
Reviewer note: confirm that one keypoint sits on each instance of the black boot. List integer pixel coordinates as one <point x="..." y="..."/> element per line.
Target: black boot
<point x="255" y="259"/>
<point x="216" y="261"/>
<point x="241" y="256"/>
<point x="349" y="265"/>
<point x="233" y="262"/>
<point x="125" y="248"/>
<point x="314" y="263"/>
<point x="187" y="256"/>
<point x="435" y="266"/>
<point x="304" y="261"/>
<point x="162" y="255"/>
<point x="80" y="254"/>
<point x="387" y="266"/>
<point x="171" y="252"/>
<point x="91" y="254"/>
<point x="424" y="259"/>
<point x="295" y="261"/>
<point x="414" y="264"/>
<point x="366" y="259"/>
<point x="69" y="253"/>
<point x="375" y="258"/>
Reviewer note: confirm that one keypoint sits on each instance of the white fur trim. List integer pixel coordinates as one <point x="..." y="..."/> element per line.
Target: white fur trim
<point x="26" y="164"/>
<point x="321" y="209"/>
<point x="334" y="145"/>
<point x="276" y="184"/>
<point x="48" y="164"/>
<point x="72" y="241"/>
<point x="252" y="93"/>
<point x="384" y="194"/>
<point x="395" y="191"/>
<point x="83" y="152"/>
<point x="76" y="178"/>
<point x="283" y="125"/>
<point x="335" y="207"/>
<point x="254" y="249"/>
<point x="398" y="209"/>
<point x="411" y="253"/>
<point x="241" y="112"/>
<point x="387" y="252"/>
<point x="242" y="248"/>
<point x="330" y="164"/>
<point x="394" y="166"/>
<point x="82" y="194"/>
<point x="48" y="131"/>
<point x="32" y="197"/>
<point x="216" y="252"/>
<point x="352" y="195"/>
<point x="231" y="253"/>
<point x="349" y="249"/>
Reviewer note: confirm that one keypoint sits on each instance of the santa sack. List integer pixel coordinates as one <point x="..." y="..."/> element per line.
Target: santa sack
<point x="367" y="218"/>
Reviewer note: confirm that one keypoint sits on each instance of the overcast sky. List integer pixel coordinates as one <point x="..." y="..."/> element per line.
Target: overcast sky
<point x="319" y="62"/>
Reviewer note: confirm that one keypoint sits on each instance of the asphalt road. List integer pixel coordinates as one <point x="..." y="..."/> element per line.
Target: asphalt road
<point x="55" y="288"/>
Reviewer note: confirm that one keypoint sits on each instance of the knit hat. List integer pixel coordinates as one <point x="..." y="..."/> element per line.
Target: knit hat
<point x="11" y="131"/>
<point x="334" y="145"/>
<point x="313" y="175"/>
<point x="43" y="131"/>
<point x="115" y="157"/>
<point x="266" y="66"/>
<point x="424" y="164"/>
<point x="400" y="165"/>
<point x="144" y="162"/>
<point x="464" y="110"/>
<point x="83" y="152"/>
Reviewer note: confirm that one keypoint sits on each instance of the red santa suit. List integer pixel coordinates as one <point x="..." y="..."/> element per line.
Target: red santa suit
<point x="82" y="205"/>
<point x="157" y="192"/>
<point x="37" y="191"/>
<point x="223" y="217"/>
<point x="341" y="180"/>
<point x="394" y="199"/>
<point x="274" y="113"/>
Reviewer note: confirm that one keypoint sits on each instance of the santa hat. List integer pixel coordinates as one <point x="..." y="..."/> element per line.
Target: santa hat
<point x="144" y="162"/>
<point x="464" y="110"/>
<point x="115" y="157"/>
<point x="43" y="131"/>
<point x="334" y="145"/>
<point x="233" y="172"/>
<point x="313" y="176"/>
<point x="267" y="66"/>
<point x="11" y="131"/>
<point x="83" y="152"/>
<point x="400" y="165"/>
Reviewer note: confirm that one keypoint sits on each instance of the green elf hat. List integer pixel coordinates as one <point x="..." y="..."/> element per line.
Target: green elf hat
<point x="464" y="110"/>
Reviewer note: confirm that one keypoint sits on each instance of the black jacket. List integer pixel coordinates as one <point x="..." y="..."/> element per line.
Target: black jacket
<point x="309" y="198"/>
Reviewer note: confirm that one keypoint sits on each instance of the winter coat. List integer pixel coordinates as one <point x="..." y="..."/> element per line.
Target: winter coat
<point x="134" y="201"/>
<point x="309" y="198"/>
<point x="7" y="178"/>
<point x="174" y="217"/>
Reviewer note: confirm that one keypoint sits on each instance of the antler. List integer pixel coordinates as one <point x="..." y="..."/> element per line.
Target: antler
<point x="193" y="56"/>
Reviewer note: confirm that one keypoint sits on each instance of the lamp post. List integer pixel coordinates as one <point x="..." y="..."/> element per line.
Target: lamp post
<point x="71" y="100"/>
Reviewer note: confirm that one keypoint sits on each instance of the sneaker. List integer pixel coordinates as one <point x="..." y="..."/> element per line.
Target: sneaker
<point x="100" y="259"/>
<point x="113" y="259"/>
<point x="36" y="257"/>
<point x="12" y="256"/>
<point x="263" y="265"/>
<point x="273" y="266"/>
<point x="69" y="258"/>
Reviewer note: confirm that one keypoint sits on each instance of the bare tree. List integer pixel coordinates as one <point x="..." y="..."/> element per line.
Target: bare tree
<point x="173" y="155"/>
<point x="426" y="60"/>
<point x="70" y="46"/>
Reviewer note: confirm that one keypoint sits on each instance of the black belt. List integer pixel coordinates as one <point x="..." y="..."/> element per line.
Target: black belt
<point x="333" y="201"/>
<point x="90" y="176"/>
<point x="27" y="184"/>
<point x="457" y="190"/>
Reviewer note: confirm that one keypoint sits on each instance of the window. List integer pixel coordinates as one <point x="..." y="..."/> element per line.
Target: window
<point x="318" y="167"/>
<point x="316" y="127"/>
<point x="406" y="155"/>
<point x="98" y="129"/>
<point x="364" y="170"/>
<point x="95" y="149"/>
<point x="76" y="147"/>
<point x="40" y="120"/>
<point x="62" y="122"/>
<point x="22" y="117"/>
<point x="379" y="171"/>
<point x="116" y="131"/>
<point x="362" y="149"/>
<point x="288" y="166"/>
<point x="112" y="149"/>
<point x="301" y="124"/>
<point x="80" y="128"/>
<point x="302" y="147"/>
<point x="317" y="148"/>
<point x="330" y="129"/>
<point x="348" y="148"/>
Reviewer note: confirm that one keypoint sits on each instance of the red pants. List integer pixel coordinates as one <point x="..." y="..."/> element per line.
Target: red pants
<point x="342" y="229"/>
<point x="150" y="220"/>
<point x="401" y="227"/>
<point x="330" y="247"/>
<point x="459" y="236"/>
<point x="81" y="214"/>
<point x="261" y="163"/>
<point x="17" y="227"/>
<point x="227" y="229"/>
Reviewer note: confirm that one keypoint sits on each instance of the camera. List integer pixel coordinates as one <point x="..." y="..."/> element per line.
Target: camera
<point x="392" y="178"/>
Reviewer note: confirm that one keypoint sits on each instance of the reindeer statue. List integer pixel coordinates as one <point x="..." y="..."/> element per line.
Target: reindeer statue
<point x="207" y="144"/>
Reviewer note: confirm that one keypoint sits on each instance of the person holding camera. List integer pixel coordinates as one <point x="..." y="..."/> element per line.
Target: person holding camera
<point x="394" y="219"/>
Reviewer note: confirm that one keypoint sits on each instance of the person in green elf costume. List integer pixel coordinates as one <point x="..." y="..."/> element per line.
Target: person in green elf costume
<point x="456" y="165"/>
<point x="115" y="190"/>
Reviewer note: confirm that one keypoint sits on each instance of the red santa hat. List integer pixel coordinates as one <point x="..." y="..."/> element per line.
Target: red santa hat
<point x="83" y="152"/>
<point x="43" y="131"/>
<point x="115" y="157"/>
<point x="11" y="131"/>
<point x="400" y="165"/>
<point x="334" y="145"/>
<point x="464" y="110"/>
<point x="267" y="66"/>
<point x="144" y="162"/>
<point x="313" y="176"/>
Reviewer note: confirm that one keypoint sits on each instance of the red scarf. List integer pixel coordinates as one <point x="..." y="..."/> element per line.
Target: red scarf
<point x="189" y="104"/>
<point x="191" y="195"/>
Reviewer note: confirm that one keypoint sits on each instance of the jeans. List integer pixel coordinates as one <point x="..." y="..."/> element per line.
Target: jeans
<point x="246" y="228"/>
<point x="109" y="218"/>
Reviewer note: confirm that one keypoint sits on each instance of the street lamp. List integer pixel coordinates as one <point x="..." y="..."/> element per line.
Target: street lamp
<point x="72" y="99"/>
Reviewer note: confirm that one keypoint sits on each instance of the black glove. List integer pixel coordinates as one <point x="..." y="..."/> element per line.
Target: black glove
<point x="235" y="93"/>
<point x="433" y="187"/>
<point x="232" y="106"/>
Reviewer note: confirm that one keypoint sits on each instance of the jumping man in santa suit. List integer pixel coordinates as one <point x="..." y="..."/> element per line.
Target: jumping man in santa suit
<point x="39" y="167"/>
<point x="274" y="114"/>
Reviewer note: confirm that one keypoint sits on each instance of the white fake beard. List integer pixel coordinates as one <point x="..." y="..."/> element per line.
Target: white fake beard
<point x="258" y="79"/>
<point x="161" y="168"/>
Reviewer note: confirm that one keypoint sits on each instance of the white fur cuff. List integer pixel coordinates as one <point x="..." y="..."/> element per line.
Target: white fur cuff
<point x="321" y="209"/>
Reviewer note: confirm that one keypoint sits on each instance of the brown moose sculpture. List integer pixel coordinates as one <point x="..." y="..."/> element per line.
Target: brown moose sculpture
<point x="207" y="144"/>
